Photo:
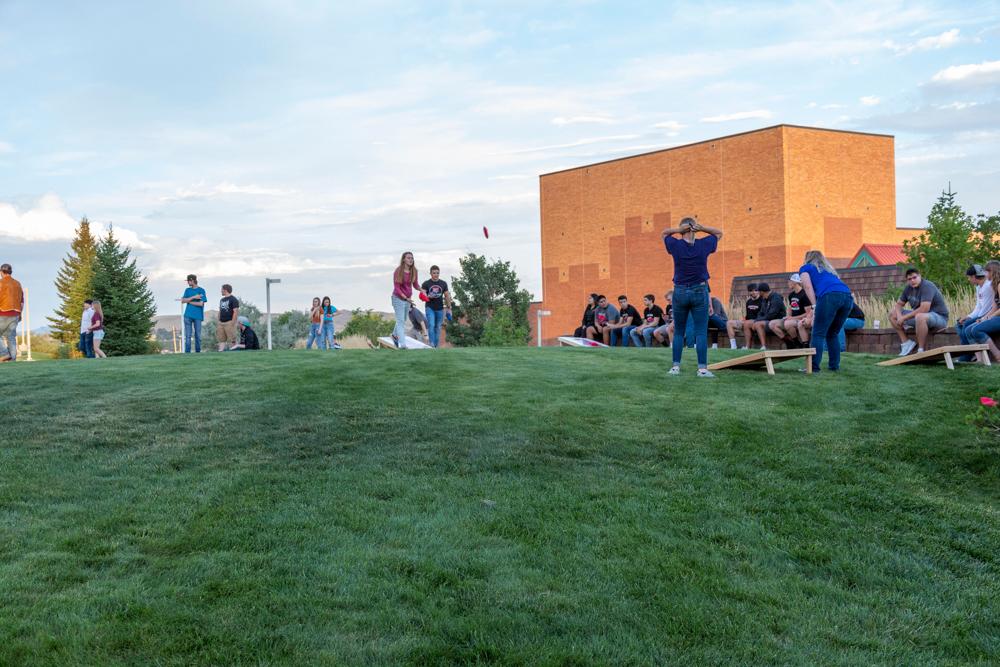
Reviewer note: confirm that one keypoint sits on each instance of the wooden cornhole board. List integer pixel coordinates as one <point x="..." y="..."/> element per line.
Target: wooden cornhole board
<point x="574" y="341"/>
<point x="411" y="344"/>
<point x="767" y="359"/>
<point x="936" y="354"/>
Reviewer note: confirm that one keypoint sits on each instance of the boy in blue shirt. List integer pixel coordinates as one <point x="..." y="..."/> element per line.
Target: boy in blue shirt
<point x="194" y="313"/>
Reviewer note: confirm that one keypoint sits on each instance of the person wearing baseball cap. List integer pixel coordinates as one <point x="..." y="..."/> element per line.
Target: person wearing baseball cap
<point x="799" y="320"/>
<point x="248" y="337"/>
<point x="984" y="304"/>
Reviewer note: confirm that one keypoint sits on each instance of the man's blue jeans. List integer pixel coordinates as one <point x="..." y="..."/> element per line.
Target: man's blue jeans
<point x="831" y="313"/>
<point x="87" y="345"/>
<point x="963" y="331"/>
<point x="646" y="336"/>
<point x="314" y="335"/>
<point x="620" y="337"/>
<point x="691" y="302"/>
<point x="850" y="324"/>
<point x="435" y="318"/>
<point x="192" y="329"/>
<point x="980" y="333"/>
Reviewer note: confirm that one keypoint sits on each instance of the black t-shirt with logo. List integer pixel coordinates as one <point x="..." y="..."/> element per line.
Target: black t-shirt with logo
<point x="753" y="307"/>
<point x="798" y="302"/>
<point x="226" y="307"/>
<point x="653" y="315"/>
<point x="435" y="293"/>
<point x="630" y="310"/>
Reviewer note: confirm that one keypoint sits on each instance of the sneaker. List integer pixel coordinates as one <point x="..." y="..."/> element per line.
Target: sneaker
<point x="907" y="347"/>
<point x="919" y="350"/>
<point x="763" y="348"/>
<point x="705" y="373"/>
<point x="674" y="370"/>
<point x="732" y="344"/>
<point x="744" y="348"/>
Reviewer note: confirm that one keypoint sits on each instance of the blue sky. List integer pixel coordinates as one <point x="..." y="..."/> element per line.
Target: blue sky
<point x="316" y="141"/>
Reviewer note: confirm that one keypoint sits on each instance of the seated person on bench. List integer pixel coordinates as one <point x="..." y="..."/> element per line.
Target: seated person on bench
<point x="854" y="321"/>
<point x="984" y="305"/>
<point x="927" y="312"/>
<point x="652" y="318"/>
<point x="772" y="307"/>
<point x="989" y="324"/>
<point x="750" y="311"/>
<point x="664" y="334"/>
<point x="716" y="320"/>
<point x="604" y="315"/>
<point x="799" y="320"/>
<point x="588" y="317"/>
<point x="628" y="321"/>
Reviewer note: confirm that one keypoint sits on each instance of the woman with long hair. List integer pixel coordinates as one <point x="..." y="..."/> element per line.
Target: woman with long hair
<point x="327" y="310"/>
<point x="588" y="316"/>
<point x="97" y="328"/>
<point x="315" y="324"/>
<point x="404" y="279"/>
<point x="988" y="325"/>
<point x="833" y="306"/>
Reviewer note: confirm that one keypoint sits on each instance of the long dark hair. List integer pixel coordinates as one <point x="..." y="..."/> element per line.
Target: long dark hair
<point x="326" y="302"/>
<point x="593" y="301"/>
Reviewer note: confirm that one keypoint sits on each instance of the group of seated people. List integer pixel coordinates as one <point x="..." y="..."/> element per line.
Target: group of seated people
<point x="765" y="311"/>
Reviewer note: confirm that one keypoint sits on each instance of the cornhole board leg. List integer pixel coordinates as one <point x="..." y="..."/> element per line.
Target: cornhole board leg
<point x="948" y="362"/>
<point x="765" y="359"/>
<point x="809" y="364"/>
<point x="983" y="357"/>
<point x="770" y="365"/>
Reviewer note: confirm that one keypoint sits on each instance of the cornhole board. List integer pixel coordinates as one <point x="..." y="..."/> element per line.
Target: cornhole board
<point x="934" y="355"/>
<point x="574" y="341"/>
<point x="411" y="344"/>
<point x="767" y="359"/>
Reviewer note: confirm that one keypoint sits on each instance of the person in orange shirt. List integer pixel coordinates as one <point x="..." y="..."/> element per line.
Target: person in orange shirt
<point x="11" y="305"/>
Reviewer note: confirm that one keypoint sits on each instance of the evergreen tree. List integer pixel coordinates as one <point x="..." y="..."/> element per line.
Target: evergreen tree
<point x="125" y="297"/>
<point x="74" y="283"/>
<point x="945" y="250"/>
<point x="479" y="293"/>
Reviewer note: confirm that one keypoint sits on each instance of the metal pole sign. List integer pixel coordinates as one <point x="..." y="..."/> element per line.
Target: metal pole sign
<point x="268" y="282"/>
<point x="538" y="329"/>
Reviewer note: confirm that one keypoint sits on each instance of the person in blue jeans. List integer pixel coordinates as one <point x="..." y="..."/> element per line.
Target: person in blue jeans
<point x="833" y="303"/>
<point x="438" y="305"/>
<point x="327" y="334"/>
<point x="628" y="321"/>
<point x="315" y="324"/>
<point x="652" y="318"/>
<point x="194" y="299"/>
<point x="690" y="255"/>
<point x="989" y="324"/>
<point x="855" y="320"/>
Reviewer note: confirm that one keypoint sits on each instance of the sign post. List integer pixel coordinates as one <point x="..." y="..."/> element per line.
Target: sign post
<point x="267" y="282"/>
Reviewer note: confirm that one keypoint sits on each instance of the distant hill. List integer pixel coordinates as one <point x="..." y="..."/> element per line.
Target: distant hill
<point x="340" y="320"/>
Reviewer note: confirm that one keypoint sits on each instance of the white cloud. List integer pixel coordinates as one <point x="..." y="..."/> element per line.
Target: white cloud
<point x="253" y="263"/>
<point x="928" y="157"/>
<point x="573" y="144"/>
<point x="201" y="191"/>
<point x="832" y="106"/>
<point x="740" y="115"/>
<point x="945" y="40"/>
<point x="5" y="148"/>
<point x="48" y="220"/>
<point x="672" y="126"/>
<point x="984" y="73"/>
<point x="870" y="100"/>
<point x="958" y="106"/>
<point x="576" y="120"/>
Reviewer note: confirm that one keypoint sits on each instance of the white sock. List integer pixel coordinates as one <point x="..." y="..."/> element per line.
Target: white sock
<point x="732" y="343"/>
<point x="919" y="350"/>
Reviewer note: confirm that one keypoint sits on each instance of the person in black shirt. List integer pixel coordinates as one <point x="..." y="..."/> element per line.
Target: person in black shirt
<point x="799" y="320"/>
<point x="627" y="322"/>
<point x="248" y="338"/>
<point x="438" y="305"/>
<point x="588" y="317"/>
<point x="750" y="311"/>
<point x="772" y="307"/>
<point x="652" y="318"/>
<point x="229" y="310"/>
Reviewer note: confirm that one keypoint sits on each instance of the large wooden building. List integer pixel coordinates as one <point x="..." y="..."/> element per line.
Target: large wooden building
<point x="775" y="193"/>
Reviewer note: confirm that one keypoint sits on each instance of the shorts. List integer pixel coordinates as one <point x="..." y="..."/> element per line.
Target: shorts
<point x="225" y="332"/>
<point x="934" y="321"/>
<point x="662" y="330"/>
<point x="99" y="334"/>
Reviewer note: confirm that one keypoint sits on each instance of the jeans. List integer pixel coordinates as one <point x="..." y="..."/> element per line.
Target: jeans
<point x="192" y="329"/>
<point x="644" y="338"/>
<point x="850" y="324"/>
<point x="401" y="308"/>
<point x="435" y="318"/>
<point x="693" y="302"/>
<point x="980" y="333"/>
<point x="326" y="336"/>
<point x="8" y="337"/>
<point x="716" y="323"/>
<point x="314" y="335"/>
<point x="86" y="345"/>
<point x="620" y="337"/>
<point x="831" y="313"/>
<point x="963" y="330"/>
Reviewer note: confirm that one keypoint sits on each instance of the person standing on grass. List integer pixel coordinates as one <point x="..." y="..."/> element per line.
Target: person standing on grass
<point x="97" y="329"/>
<point x="989" y="324"/>
<point x="984" y="304"/>
<point x="691" y="286"/>
<point x="833" y="302"/>
<point x="315" y="324"/>
<point x="229" y="310"/>
<point x="11" y="305"/>
<point x="328" y="333"/>
<point x="195" y="299"/>
<point x="928" y="312"/>
<point x="652" y="318"/>
<point x="404" y="279"/>
<point x="438" y="304"/>
<point x="799" y="311"/>
<point x="86" y="336"/>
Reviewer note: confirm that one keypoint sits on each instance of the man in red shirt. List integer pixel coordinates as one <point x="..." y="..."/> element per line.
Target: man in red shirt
<point x="11" y="304"/>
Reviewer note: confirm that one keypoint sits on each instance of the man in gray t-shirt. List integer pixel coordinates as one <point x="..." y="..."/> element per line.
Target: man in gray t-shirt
<point x="927" y="312"/>
<point x="604" y="315"/>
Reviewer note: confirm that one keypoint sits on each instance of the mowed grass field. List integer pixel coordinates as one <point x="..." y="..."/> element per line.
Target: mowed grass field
<point x="524" y="507"/>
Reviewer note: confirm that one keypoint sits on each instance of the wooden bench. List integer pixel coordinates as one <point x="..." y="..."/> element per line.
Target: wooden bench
<point x="575" y="341"/>
<point x="932" y="356"/>
<point x="766" y="359"/>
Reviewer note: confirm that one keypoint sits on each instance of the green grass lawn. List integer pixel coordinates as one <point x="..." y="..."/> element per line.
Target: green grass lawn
<point x="555" y="507"/>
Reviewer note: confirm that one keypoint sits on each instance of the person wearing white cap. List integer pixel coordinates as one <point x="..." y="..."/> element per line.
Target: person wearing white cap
<point x="984" y="304"/>
<point x="799" y="320"/>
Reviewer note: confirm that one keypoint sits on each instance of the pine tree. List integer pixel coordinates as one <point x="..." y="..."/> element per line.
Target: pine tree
<point x="124" y="294"/>
<point x="74" y="283"/>
<point x="946" y="248"/>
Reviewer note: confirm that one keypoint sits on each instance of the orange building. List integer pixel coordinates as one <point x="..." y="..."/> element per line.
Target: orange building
<point x="775" y="193"/>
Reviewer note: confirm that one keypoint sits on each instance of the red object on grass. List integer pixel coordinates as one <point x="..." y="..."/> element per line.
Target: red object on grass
<point x="486" y="232"/>
<point x="987" y="401"/>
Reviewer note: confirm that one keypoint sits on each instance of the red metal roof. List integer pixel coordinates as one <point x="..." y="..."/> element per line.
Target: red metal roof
<point x="883" y="253"/>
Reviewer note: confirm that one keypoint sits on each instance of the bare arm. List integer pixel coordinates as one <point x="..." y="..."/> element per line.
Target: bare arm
<point x="807" y="285"/>
<point x="717" y="233"/>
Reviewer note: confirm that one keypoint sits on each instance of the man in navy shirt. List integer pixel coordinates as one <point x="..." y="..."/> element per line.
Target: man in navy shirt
<point x="690" y="256"/>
